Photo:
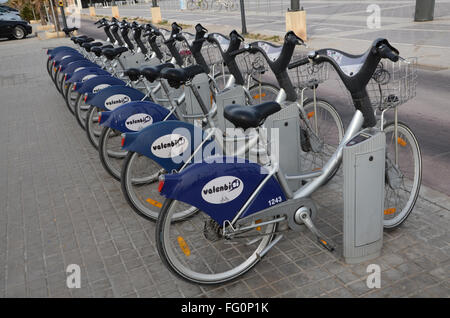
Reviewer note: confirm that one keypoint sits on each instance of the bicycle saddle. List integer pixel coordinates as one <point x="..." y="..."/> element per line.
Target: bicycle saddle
<point x="152" y="73"/>
<point x="250" y="116"/>
<point x="80" y="41"/>
<point x="97" y="50"/>
<point x="68" y="30"/>
<point x="111" y="53"/>
<point x="75" y="38"/>
<point x="178" y="76"/>
<point x="132" y="73"/>
<point x="89" y="45"/>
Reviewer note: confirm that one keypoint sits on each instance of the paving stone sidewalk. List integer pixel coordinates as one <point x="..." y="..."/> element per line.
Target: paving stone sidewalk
<point x="58" y="207"/>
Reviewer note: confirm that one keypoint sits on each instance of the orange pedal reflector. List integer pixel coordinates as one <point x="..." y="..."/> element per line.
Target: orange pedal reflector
<point x="390" y="211"/>
<point x="259" y="96"/>
<point x="183" y="245"/>
<point x="154" y="202"/>
<point x="324" y="242"/>
<point x="310" y="114"/>
<point x="401" y="141"/>
<point x="257" y="222"/>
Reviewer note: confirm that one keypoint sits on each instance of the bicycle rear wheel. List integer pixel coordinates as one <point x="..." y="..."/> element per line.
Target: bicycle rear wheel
<point x="93" y="129"/>
<point x="81" y="109"/>
<point x="71" y="97"/>
<point x="196" y="250"/>
<point x="139" y="181"/>
<point x="111" y="153"/>
<point x="403" y="179"/>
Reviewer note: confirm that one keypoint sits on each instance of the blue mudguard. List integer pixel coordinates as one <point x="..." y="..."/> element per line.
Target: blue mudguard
<point x="60" y="57"/>
<point x="76" y="66"/>
<point x="57" y="56"/>
<point x="168" y="143"/>
<point x="60" y="49"/>
<point x="95" y="84"/>
<point x="84" y="74"/>
<point x="221" y="189"/>
<point x="134" y="116"/>
<point x="114" y="96"/>
<point x="69" y="60"/>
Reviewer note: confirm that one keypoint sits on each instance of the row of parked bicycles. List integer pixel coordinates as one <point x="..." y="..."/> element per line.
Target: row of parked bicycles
<point x="221" y="158"/>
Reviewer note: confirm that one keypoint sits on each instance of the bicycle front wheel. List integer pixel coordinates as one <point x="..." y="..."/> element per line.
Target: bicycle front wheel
<point x="262" y="92"/>
<point x="403" y="174"/>
<point x="196" y="250"/>
<point x="327" y="133"/>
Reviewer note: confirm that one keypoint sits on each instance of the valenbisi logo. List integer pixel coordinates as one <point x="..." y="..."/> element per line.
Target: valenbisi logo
<point x="88" y="77"/>
<point x="222" y="190"/>
<point x="100" y="87"/>
<point x="138" y="121"/>
<point x="169" y="146"/>
<point x="115" y="101"/>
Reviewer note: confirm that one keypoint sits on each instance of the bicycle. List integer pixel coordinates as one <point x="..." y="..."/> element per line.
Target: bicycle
<point x="229" y="5"/>
<point x="242" y="204"/>
<point x="197" y="4"/>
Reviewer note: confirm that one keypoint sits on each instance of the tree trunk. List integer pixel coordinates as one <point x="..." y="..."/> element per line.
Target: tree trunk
<point x="42" y="14"/>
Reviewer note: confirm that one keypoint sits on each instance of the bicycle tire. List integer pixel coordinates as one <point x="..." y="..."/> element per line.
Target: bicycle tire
<point x="334" y="129"/>
<point x="167" y="249"/>
<point x="80" y="111"/>
<point x="147" y="203"/>
<point x="106" y="155"/>
<point x="90" y="125"/>
<point x="263" y="92"/>
<point x="70" y="99"/>
<point x="406" y="138"/>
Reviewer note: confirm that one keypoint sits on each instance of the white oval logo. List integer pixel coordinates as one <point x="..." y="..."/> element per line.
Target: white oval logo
<point x="100" y="87"/>
<point x="65" y="56"/>
<point x="114" y="101"/>
<point x="138" y="121"/>
<point x="222" y="190"/>
<point x="88" y="77"/>
<point x="78" y="69"/>
<point x="169" y="146"/>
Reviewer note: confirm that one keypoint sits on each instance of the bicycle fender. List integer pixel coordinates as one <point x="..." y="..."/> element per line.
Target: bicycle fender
<point x="95" y="84"/>
<point x="60" y="58"/>
<point x="58" y="49"/>
<point x="85" y="74"/>
<point x="76" y="66"/>
<point x="220" y="186"/>
<point x="69" y="60"/>
<point x="61" y="55"/>
<point x="114" y="96"/>
<point x="133" y="116"/>
<point x="169" y="143"/>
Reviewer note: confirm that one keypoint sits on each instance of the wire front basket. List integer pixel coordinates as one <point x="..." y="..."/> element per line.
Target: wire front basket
<point x="252" y="64"/>
<point x="308" y="75"/>
<point x="212" y="55"/>
<point x="393" y="83"/>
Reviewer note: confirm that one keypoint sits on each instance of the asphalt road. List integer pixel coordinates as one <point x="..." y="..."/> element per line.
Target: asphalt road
<point x="427" y="115"/>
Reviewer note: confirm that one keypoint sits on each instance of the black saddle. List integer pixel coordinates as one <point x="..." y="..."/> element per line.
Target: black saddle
<point x="112" y="53"/>
<point x="132" y="73"/>
<point x="178" y="76"/>
<point x="152" y="73"/>
<point x="250" y="116"/>
<point x="88" y="46"/>
<point x="82" y="40"/>
<point x="68" y="30"/>
<point x="97" y="50"/>
<point x="75" y="38"/>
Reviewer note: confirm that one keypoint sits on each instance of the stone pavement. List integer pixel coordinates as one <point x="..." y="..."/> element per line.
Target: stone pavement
<point x="58" y="207"/>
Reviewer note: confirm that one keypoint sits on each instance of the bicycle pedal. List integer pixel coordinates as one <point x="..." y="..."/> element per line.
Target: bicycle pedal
<point x="326" y="243"/>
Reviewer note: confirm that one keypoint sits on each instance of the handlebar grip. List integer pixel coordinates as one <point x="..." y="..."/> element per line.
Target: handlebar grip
<point x="298" y="63"/>
<point x="386" y="52"/>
